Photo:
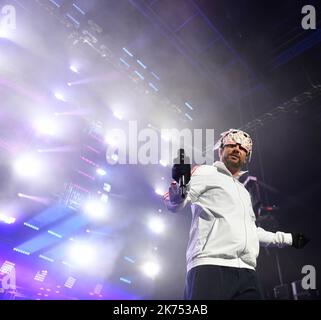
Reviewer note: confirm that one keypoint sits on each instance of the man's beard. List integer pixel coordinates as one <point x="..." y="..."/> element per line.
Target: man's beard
<point x="231" y="163"/>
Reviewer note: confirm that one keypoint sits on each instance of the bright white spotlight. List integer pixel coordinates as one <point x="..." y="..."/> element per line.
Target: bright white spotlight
<point x="82" y="255"/>
<point x="156" y="224"/>
<point x="163" y="163"/>
<point x="73" y="68"/>
<point x="101" y="172"/>
<point x="151" y="269"/>
<point x="59" y="96"/>
<point x="46" y="126"/>
<point x="95" y="209"/>
<point x="28" y="166"/>
<point x="107" y="187"/>
<point x="118" y="115"/>
<point x="8" y="220"/>
<point x="159" y="191"/>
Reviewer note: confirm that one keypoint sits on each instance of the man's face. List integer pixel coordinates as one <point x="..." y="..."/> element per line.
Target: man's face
<point x="234" y="156"/>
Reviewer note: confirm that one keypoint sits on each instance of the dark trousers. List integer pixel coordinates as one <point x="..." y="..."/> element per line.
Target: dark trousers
<point x="211" y="282"/>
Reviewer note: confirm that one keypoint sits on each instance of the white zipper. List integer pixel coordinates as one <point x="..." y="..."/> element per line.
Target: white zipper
<point x="244" y="220"/>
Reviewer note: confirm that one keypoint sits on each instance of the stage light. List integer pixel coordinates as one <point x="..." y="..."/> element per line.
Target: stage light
<point x="8" y="220"/>
<point x="141" y="64"/>
<point x="59" y="96"/>
<point x="156" y="224"/>
<point x="153" y="86"/>
<point x="46" y="258"/>
<point x="22" y="251"/>
<point x="189" y="106"/>
<point x="129" y="259"/>
<point x="151" y="269"/>
<point x="118" y="115"/>
<point x="107" y="187"/>
<point x="41" y="275"/>
<point x="29" y="166"/>
<point x="7" y="267"/>
<point x="95" y="209"/>
<point x="42" y="200"/>
<point x="70" y="282"/>
<point x="31" y="226"/>
<point x="55" y="234"/>
<point x="74" y="68"/>
<point x="128" y="52"/>
<point x="159" y="191"/>
<point x="82" y="255"/>
<point x="163" y="163"/>
<point x="46" y="126"/>
<point x="155" y="75"/>
<point x="101" y="172"/>
<point x="125" y="280"/>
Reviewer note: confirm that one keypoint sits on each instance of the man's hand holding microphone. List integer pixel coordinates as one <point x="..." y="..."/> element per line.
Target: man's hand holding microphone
<point x="181" y="173"/>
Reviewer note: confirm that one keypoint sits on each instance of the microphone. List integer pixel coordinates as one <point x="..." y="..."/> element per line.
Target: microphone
<point x="181" y="172"/>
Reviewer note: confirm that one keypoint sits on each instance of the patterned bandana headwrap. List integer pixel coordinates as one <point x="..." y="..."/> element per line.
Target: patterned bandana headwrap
<point x="234" y="136"/>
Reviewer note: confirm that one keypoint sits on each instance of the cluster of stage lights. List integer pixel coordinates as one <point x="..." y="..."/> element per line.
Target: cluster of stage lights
<point x="31" y="166"/>
<point x="83" y="255"/>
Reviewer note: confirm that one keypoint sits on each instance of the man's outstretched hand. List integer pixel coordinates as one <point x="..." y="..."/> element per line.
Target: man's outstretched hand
<point x="174" y="193"/>
<point x="299" y="240"/>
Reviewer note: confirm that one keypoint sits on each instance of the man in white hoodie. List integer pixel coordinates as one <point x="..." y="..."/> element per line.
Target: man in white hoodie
<point x="224" y="240"/>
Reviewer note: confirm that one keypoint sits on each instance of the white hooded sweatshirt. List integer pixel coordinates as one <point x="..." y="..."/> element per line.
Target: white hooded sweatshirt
<point x="223" y="230"/>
